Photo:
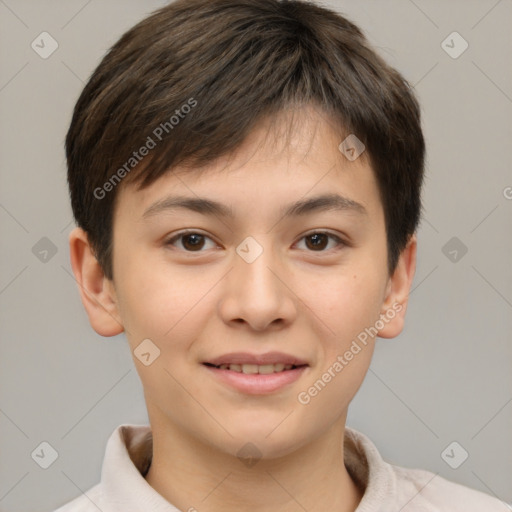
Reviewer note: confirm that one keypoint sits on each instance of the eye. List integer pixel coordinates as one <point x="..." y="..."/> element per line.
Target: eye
<point x="319" y="239"/>
<point x="192" y="240"/>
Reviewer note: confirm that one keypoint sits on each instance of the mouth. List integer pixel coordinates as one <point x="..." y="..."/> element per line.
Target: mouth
<point x="256" y="374"/>
<point x="253" y="369"/>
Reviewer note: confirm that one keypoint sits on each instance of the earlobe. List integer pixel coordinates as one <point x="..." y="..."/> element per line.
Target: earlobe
<point x="96" y="291"/>
<point x="397" y="292"/>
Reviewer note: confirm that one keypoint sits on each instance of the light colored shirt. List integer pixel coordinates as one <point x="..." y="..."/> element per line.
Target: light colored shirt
<point x="387" y="488"/>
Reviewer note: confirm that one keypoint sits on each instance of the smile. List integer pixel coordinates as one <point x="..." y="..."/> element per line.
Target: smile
<point x="252" y="369"/>
<point x="252" y="379"/>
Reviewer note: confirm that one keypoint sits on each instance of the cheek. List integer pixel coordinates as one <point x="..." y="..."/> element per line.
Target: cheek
<point x="165" y="309"/>
<point x="349" y="303"/>
<point x="352" y="309"/>
<point x="152" y="294"/>
<point x="156" y="300"/>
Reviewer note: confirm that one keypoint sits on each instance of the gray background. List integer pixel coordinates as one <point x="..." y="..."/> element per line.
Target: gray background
<point x="445" y="378"/>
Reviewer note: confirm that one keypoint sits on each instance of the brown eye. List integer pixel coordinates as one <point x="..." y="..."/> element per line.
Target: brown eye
<point x="318" y="241"/>
<point x="191" y="241"/>
<point x="194" y="241"/>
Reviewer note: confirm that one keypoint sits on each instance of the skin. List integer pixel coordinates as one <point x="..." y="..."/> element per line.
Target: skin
<point x="297" y="298"/>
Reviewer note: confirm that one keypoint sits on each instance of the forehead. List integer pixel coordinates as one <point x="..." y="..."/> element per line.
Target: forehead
<point x="286" y="158"/>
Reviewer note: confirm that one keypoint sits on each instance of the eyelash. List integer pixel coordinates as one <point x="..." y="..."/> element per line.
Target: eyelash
<point x="340" y="243"/>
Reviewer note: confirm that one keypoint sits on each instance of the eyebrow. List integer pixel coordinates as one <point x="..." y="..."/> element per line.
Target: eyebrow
<point x="326" y="202"/>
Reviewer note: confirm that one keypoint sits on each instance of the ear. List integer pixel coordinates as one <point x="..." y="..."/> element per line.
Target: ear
<point x="97" y="292"/>
<point x="397" y="292"/>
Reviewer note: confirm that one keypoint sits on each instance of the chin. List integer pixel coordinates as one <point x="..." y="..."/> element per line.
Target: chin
<point x="266" y="442"/>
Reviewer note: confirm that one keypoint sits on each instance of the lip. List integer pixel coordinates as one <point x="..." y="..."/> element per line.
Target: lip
<point x="259" y="359"/>
<point x="256" y="384"/>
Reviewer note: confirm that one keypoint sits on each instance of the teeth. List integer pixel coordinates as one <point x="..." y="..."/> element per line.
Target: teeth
<point x="266" y="368"/>
<point x="251" y="369"/>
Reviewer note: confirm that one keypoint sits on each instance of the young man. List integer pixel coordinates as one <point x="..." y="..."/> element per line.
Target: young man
<point x="246" y="179"/>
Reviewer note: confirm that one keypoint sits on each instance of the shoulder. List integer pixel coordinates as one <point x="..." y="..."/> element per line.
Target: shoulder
<point x="390" y="487"/>
<point x="87" y="502"/>
<point x="427" y="491"/>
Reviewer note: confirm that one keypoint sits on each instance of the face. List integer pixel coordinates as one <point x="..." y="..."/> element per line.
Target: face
<point x="264" y="288"/>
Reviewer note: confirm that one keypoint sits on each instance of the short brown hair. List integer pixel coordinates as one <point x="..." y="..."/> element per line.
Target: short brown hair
<point x="232" y="63"/>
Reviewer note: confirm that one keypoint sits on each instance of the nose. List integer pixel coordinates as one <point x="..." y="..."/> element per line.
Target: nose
<point x="258" y="293"/>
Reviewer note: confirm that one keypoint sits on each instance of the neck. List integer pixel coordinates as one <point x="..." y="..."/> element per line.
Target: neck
<point x="192" y="475"/>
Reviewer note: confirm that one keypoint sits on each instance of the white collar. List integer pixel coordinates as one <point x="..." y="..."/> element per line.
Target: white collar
<point x="129" y="451"/>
